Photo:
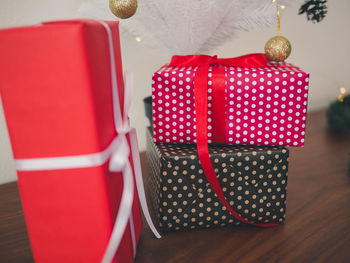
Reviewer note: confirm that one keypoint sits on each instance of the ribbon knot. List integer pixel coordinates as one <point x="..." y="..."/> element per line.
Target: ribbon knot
<point x="120" y="155"/>
<point x="121" y="151"/>
<point x="213" y="60"/>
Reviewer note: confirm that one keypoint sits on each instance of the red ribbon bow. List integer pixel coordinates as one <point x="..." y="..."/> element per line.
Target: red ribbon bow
<point x="257" y="60"/>
<point x="203" y="62"/>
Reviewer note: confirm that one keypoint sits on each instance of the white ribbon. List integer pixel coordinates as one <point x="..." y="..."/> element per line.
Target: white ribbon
<point x="118" y="155"/>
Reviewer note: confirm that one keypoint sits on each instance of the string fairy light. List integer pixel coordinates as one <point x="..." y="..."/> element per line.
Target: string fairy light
<point x="278" y="15"/>
<point x="278" y="21"/>
<point x="341" y="95"/>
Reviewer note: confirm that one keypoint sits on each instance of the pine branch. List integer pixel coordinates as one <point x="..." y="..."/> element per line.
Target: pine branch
<point x="315" y="10"/>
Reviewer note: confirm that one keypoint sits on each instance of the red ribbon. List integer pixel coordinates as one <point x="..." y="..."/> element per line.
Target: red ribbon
<point x="203" y="62"/>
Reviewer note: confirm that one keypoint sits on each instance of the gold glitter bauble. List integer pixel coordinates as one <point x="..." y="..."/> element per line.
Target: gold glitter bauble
<point x="278" y="48"/>
<point x="123" y="8"/>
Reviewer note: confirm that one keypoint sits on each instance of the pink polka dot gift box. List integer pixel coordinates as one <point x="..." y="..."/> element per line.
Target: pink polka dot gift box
<point x="240" y="102"/>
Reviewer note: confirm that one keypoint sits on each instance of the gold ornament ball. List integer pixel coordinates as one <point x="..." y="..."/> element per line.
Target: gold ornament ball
<point x="123" y="8"/>
<point x="278" y="48"/>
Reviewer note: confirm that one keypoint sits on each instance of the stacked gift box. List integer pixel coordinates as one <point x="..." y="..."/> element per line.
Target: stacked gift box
<point x="248" y="112"/>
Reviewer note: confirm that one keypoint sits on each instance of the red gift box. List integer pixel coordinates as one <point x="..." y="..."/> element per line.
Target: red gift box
<point x="249" y="101"/>
<point x="56" y="89"/>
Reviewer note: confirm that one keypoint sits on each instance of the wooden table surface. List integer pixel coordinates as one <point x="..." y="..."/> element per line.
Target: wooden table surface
<point x="317" y="227"/>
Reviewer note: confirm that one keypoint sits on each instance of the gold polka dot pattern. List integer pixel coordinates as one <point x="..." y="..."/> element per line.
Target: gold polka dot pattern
<point x="253" y="180"/>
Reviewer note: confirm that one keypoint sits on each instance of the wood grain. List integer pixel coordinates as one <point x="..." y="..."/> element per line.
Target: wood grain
<point x="14" y="242"/>
<point x="317" y="227"/>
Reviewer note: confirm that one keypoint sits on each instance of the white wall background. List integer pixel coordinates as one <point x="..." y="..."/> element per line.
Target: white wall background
<point x="322" y="49"/>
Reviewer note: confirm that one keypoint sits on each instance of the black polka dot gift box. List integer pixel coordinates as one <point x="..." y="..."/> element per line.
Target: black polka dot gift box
<point x="253" y="180"/>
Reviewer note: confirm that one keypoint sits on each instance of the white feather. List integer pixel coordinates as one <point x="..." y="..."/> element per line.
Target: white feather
<point x="188" y="26"/>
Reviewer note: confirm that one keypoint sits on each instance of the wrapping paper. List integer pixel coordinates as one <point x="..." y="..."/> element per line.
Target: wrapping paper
<point x="57" y="97"/>
<point x="253" y="180"/>
<point x="263" y="106"/>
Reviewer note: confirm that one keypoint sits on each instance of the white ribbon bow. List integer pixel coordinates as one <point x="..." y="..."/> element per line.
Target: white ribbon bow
<point x="117" y="153"/>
